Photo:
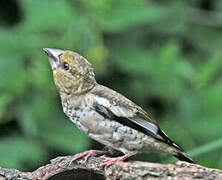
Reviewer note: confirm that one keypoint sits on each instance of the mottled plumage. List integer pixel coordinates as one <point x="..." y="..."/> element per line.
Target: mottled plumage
<point x="103" y="114"/>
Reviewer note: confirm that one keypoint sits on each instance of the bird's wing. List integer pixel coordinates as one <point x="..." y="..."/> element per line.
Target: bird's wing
<point x="127" y="113"/>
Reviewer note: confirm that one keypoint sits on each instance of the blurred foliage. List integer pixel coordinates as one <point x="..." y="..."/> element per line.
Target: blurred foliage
<point x="164" y="55"/>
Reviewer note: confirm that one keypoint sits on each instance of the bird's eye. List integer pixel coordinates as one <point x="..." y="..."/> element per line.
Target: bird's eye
<point x="66" y="66"/>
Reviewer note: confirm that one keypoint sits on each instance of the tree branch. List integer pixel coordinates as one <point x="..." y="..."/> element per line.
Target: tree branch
<point x="64" y="168"/>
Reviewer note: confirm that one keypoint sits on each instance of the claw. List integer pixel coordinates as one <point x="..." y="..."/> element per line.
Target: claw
<point x="111" y="161"/>
<point x="88" y="154"/>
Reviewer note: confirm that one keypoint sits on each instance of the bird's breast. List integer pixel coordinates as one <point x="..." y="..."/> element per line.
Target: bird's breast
<point x="81" y="114"/>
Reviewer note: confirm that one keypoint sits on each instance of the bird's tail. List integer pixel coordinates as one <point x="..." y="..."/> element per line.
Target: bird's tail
<point x="183" y="157"/>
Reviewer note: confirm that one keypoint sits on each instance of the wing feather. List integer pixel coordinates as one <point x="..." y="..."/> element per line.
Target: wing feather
<point x="133" y="117"/>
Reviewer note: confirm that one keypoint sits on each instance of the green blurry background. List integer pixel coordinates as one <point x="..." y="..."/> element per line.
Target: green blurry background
<point x="165" y="56"/>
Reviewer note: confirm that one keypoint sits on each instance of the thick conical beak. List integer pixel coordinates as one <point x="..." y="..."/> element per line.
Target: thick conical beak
<point x="53" y="56"/>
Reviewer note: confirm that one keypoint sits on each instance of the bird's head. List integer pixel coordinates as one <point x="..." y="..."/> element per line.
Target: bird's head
<point x="72" y="73"/>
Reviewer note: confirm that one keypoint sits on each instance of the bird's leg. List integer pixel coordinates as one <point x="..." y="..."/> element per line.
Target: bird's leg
<point x="111" y="161"/>
<point x="88" y="154"/>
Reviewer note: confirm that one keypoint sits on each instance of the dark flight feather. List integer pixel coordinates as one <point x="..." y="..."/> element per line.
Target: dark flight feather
<point x="183" y="157"/>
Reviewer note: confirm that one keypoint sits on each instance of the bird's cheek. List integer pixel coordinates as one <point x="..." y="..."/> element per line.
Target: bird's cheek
<point x="61" y="81"/>
<point x="57" y="77"/>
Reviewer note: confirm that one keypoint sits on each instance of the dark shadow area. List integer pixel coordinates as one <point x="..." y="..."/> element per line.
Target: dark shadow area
<point x="10" y="13"/>
<point x="78" y="174"/>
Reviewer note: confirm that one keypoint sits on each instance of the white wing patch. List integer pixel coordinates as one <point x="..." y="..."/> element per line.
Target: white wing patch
<point x="103" y="102"/>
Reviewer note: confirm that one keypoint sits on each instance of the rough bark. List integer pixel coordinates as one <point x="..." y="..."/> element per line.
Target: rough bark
<point x="62" y="168"/>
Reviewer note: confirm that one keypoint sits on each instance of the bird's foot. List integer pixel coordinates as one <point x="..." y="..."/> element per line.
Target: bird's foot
<point x="88" y="154"/>
<point x="111" y="161"/>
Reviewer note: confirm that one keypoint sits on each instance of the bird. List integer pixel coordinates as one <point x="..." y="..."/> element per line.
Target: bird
<point x="104" y="114"/>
